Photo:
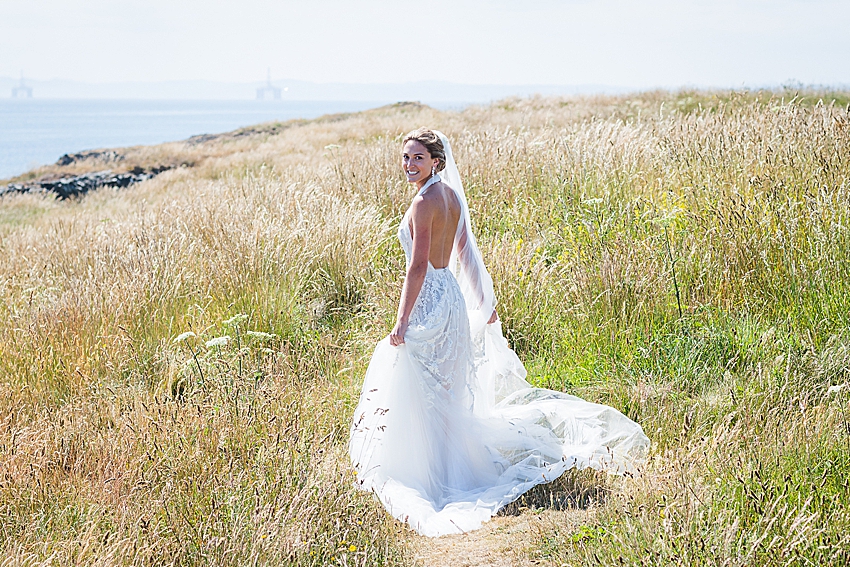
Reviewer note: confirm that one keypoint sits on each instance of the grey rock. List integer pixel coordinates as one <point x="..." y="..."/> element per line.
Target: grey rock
<point x="80" y="184"/>
<point x="104" y="156"/>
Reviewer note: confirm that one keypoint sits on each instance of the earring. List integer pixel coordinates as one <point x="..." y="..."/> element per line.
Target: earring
<point x="433" y="170"/>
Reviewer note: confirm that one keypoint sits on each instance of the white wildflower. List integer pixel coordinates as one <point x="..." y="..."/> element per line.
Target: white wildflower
<point x="183" y="336"/>
<point x="260" y="336"/>
<point x="218" y="341"/>
<point x="236" y="319"/>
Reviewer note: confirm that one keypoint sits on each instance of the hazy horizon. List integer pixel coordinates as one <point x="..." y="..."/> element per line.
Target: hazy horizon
<point x="429" y="92"/>
<point x="425" y="91"/>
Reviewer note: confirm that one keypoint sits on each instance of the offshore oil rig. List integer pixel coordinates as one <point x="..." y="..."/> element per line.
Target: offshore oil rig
<point x="273" y="91"/>
<point x="22" y="90"/>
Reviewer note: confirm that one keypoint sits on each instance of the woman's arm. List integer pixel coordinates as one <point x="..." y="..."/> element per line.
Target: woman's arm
<point x="421" y="215"/>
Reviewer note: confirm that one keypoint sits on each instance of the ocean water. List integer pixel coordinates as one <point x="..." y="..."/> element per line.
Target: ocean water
<point x="36" y="132"/>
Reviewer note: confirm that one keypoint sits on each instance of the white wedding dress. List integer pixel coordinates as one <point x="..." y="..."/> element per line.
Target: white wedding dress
<point x="447" y="430"/>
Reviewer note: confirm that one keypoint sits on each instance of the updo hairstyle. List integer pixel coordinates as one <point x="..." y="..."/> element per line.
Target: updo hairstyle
<point x="432" y="143"/>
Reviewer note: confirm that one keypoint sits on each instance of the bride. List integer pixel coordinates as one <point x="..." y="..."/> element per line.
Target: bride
<point x="447" y="430"/>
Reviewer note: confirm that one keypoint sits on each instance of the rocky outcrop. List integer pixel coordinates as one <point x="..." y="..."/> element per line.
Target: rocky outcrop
<point x="104" y="156"/>
<point x="73" y="186"/>
<point x="270" y="129"/>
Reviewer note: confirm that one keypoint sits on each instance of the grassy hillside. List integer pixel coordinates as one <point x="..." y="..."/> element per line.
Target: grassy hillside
<point x="179" y="361"/>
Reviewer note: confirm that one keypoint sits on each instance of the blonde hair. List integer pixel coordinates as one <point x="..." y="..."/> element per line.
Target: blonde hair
<point x="432" y="143"/>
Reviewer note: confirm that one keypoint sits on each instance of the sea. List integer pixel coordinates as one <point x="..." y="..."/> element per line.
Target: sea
<point x="36" y="132"/>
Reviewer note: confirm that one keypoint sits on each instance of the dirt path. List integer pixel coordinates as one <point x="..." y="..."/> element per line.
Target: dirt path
<point x="504" y="541"/>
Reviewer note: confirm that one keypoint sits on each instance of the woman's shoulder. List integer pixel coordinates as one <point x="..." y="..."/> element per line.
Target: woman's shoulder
<point x="438" y="191"/>
<point x="433" y="198"/>
<point x="422" y="202"/>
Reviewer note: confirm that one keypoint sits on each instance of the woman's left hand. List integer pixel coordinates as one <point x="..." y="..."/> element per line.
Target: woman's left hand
<point x="397" y="336"/>
<point x="493" y="318"/>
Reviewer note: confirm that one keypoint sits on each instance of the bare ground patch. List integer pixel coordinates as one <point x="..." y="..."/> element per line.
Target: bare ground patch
<point x="504" y="541"/>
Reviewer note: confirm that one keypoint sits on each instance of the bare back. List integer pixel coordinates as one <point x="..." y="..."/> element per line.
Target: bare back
<point x="441" y="202"/>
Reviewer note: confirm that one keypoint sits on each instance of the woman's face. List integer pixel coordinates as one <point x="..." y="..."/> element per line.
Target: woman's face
<point x="417" y="162"/>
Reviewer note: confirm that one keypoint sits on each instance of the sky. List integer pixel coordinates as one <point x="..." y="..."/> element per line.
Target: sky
<point x="627" y="43"/>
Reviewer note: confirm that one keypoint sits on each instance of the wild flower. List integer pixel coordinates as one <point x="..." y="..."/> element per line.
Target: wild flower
<point x="261" y="336"/>
<point x="236" y="320"/>
<point x="218" y="341"/>
<point x="183" y="336"/>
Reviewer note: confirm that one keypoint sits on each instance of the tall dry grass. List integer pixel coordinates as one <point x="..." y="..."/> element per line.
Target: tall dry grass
<point x="180" y="360"/>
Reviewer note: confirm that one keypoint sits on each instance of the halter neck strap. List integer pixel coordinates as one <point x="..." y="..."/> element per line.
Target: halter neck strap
<point x="434" y="179"/>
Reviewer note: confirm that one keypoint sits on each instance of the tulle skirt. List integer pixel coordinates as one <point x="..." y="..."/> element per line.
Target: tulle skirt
<point x="447" y="430"/>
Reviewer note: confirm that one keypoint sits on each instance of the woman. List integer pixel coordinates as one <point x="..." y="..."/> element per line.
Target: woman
<point x="447" y="430"/>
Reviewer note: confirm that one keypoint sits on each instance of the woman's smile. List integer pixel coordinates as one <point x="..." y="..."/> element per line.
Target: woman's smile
<point x="416" y="162"/>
